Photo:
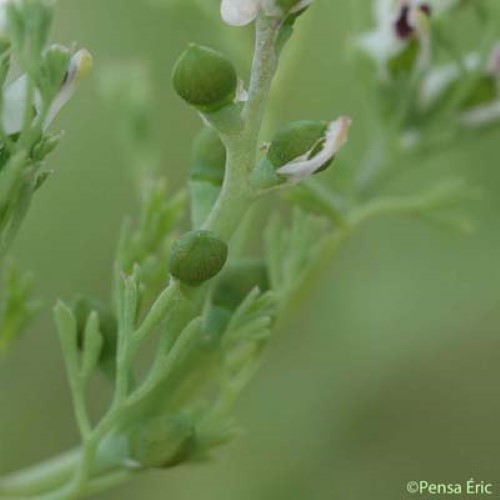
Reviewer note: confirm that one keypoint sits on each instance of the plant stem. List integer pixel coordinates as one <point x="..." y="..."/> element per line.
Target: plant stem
<point x="237" y="194"/>
<point x="48" y="475"/>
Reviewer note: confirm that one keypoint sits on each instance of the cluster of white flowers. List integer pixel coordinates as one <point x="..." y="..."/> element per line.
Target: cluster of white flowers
<point x="242" y="12"/>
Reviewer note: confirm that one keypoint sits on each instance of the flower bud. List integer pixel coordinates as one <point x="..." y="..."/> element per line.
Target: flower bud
<point x="197" y="256"/>
<point x="208" y="158"/>
<point x="79" y="67"/>
<point x="304" y="148"/>
<point x="162" y="441"/>
<point x="239" y="12"/>
<point x="205" y="79"/>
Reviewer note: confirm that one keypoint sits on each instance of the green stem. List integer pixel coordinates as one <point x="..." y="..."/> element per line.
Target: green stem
<point x="237" y="194"/>
<point x="46" y="476"/>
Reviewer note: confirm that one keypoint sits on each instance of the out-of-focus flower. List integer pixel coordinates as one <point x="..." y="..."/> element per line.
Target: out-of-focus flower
<point x="16" y="95"/>
<point x="401" y="25"/>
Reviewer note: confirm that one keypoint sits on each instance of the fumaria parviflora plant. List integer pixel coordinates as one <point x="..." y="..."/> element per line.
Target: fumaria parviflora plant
<point x="209" y="303"/>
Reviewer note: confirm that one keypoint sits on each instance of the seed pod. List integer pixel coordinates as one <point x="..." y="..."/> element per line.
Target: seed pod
<point x="209" y="158"/>
<point x="197" y="256"/>
<point x="164" y="441"/>
<point x="205" y="79"/>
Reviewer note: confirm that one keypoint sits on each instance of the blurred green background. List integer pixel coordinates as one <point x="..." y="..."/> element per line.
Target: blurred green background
<point x="387" y="372"/>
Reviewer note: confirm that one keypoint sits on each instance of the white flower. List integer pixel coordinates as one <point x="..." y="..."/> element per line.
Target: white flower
<point x="15" y="95"/>
<point x="306" y="165"/>
<point x="381" y="44"/>
<point x="397" y="23"/>
<point x="243" y="12"/>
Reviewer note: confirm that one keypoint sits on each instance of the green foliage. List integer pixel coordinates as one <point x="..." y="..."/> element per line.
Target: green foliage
<point x="17" y="304"/>
<point x="148" y="244"/>
<point x="292" y="251"/>
<point x="209" y="335"/>
<point x="96" y="319"/>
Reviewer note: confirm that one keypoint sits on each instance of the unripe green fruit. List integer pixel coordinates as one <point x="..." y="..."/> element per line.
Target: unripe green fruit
<point x="295" y="140"/>
<point x="209" y="158"/>
<point x="205" y="79"/>
<point x="197" y="256"/>
<point x="164" y="441"/>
